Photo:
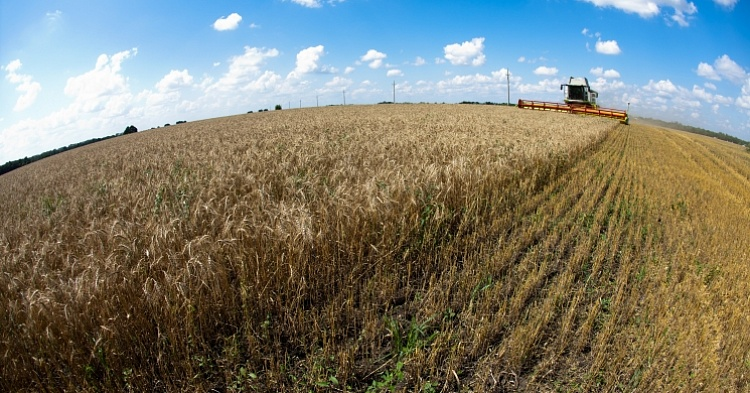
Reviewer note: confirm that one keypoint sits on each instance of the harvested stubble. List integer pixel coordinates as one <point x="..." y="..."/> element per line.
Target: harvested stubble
<point x="401" y="246"/>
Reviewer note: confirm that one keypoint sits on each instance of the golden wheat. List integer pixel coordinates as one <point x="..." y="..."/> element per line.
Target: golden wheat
<point x="408" y="247"/>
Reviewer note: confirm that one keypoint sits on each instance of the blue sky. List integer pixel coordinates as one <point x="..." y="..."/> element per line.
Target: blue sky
<point x="74" y="70"/>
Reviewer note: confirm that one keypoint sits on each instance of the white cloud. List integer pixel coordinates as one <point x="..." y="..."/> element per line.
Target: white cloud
<point x="599" y="71"/>
<point x="419" y="61"/>
<point x="707" y="71"/>
<point x="662" y="87"/>
<point x="307" y="61"/>
<point x="374" y="57"/>
<point x="174" y="80"/>
<point x="522" y="59"/>
<point x="349" y="70"/>
<point x="680" y="18"/>
<point x="723" y="67"/>
<point x="726" y="3"/>
<point x="650" y="8"/>
<point x="720" y="99"/>
<point x="543" y="86"/>
<point x="727" y="68"/>
<point x="702" y="94"/>
<point x="308" y="3"/>
<point x="709" y="85"/>
<point x="315" y="3"/>
<point x="337" y="84"/>
<point x="55" y="16"/>
<point x="394" y="72"/>
<point x="479" y="84"/>
<point x="743" y="101"/>
<point x="95" y="89"/>
<point x="468" y="52"/>
<point x="243" y="70"/>
<point x="266" y="82"/>
<point x="231" y="22"/>
<point x="603" y="86"/>
<point x="101" y="102"/>
<point x="28" y="88"/>
<point x="608" y="47"/>
<point x="545" y="71"/>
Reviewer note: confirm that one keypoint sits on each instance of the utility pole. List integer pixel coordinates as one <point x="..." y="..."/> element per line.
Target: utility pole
<point x="394" y="92"/>
<point x="344" y="92"/>
<point x="317" y="103"/>
<point x="300" y="104"/>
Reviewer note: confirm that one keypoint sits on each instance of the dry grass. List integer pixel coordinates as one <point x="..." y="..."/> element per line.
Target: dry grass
<point x="402" y="247"/>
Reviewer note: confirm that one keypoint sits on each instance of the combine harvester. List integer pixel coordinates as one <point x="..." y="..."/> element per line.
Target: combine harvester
<point x="579" y="99"/>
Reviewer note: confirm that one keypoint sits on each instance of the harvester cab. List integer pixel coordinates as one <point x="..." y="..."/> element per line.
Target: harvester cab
<point x="578" y="92"/>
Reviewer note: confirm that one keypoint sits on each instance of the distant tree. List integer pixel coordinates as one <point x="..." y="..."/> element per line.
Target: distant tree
<point x="130" y="130"/>
<point x="278" y="107"/>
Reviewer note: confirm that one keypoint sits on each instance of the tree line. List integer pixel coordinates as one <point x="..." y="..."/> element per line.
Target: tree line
<point x="694" y="130"/>
<point x="15" y="164"/>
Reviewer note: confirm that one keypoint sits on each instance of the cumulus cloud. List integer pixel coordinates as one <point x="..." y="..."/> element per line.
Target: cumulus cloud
<point x="702" y="94"/>
<point x="603" y="86"/>
<point x="419" y="61"/>
<point x="543" y="86"/>
<point x="723" y="68"/>
<point x="95" y="89"/>
<point x="230" y="22"/>
<point x="662" y="87"/>
<point x="707" y="71"/>
<point x="28" y="88"/>
<point x="468" y="52"/>
<point x="337" y="84"/>
<point x="545" y="71"/>
<point x="374" y="58"/>
<point x="394" y="72"/>
<point x="101" y="102"/>
<point x="600" y="72"/>
<point x="682" y="9"/>
<point x="243" y="69"/>
<point x="743" y="101"/>
<point x="307" y="61"/>
<point x="315" y="3"/>
<point x="308" y="3"/>
<point x="174" y="80"/>
<point x="726" y="3"/>
<point x="54" y="17"/>
<point x="608" y="47"/>
<point x="727" y="68"/>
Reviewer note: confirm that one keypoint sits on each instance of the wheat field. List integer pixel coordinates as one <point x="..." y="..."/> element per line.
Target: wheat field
<point x="380" y="248"/>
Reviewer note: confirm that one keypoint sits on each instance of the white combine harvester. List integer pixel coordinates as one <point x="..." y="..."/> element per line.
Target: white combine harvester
<point x="579" y="99"/>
